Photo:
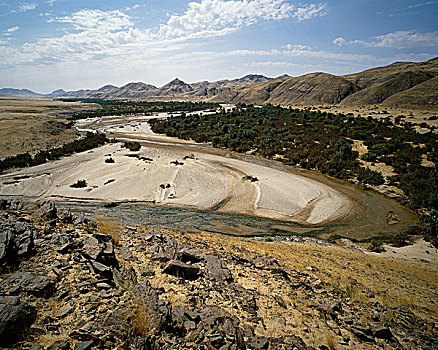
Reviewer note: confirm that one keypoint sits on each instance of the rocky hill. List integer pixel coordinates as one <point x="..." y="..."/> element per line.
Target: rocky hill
<point x="398" y="84"/>
<point x="20" y="93"/>
<point x="70" y="282"/>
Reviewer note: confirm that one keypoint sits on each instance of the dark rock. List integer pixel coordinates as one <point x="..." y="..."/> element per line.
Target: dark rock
<point x="60" y="345"/>
<point x="126" y="254"/>
<point x="280" y="301"/>
<point x="85" y="345"/>
<point x="190" y="255"/>
<point x="249" y="304"/>
<point x="67" y="311"/>
<point x="92" y="248"/>
<point x="179" y="269"/>
<point x="25" y="243"/>
<point x="125" y="278"/>
<point x="217" y="270"/>
<point x="36" y="347"/>
<point x="165" y="250"/>
<point x="32" y="283"/>
<point x="20" y="226"/>
<point x="48" y="210"/>
<point x="102" y="269"/>
<point x="16" y="315"/>
<point x="8" y="249"/>
<point x="348" y="320"/>
<point x="362" y="333"/>
<point x="37" y="329"/>
<point x="382" y="332"/>
<point x="259" y="343"/>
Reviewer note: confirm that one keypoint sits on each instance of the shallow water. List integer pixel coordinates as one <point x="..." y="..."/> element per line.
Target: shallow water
<point x="195" y="221"/>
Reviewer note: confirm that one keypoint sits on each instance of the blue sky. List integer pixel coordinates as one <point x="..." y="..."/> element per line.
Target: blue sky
<point x="51" y="44"/>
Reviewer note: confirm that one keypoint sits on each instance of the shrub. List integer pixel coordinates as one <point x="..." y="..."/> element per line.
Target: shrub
<point x="132" y="145"/>
<point x="79" y="184"/>
<point x="369" y="176"/>
<point x="376" y="247"/>
<point x="401" y="239"/>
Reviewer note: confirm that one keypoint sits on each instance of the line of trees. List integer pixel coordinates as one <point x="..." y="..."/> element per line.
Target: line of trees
<point x="90" y="141"/>
<point x="116" y="107"/>
<point x="321" y="141"/>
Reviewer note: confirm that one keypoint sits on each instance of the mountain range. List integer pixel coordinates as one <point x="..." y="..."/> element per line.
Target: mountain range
<point x="398" y="84"/>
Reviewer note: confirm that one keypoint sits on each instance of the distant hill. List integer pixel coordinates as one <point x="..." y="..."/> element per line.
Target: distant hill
<point x="19" y="93"/>
<point x="401" y="83"/>
<point x="398" y="84"/>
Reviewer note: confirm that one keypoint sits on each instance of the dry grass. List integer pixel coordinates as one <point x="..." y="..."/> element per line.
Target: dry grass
<point x="393" y="281"/>
<point x="330" y="339"/>
<point x="109" y="226"/>
<point x="141" y="321"/>
<point x="23" y="124"/>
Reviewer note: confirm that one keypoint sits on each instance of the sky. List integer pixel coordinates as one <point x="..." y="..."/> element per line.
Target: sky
<point x="85" y="44"/>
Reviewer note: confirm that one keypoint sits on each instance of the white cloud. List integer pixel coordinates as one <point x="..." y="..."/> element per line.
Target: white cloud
<point x="51" y="2"/>
<point x="96" y="34"/>
<point x="210" y="17"/>
<point x="400" y="40"/>
<point x="97" y="20"/>
<point x="339" y="41"/>
<point x="12" y="29"/>
<point x="26" y="7"/>
<point x="422" y="4"/>
<point x="309" y="11"/>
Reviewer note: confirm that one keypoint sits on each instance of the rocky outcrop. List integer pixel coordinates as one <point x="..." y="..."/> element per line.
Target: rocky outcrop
<point x="29" y="282"/>
<point x="16" y="315"/>
<point x="158" y="289"/>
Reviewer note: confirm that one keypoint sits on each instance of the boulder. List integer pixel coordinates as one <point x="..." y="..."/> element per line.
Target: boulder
<point x="102" y="269"/>
<point x="382" y="332"/>
<point x="84" y="345"/>
<point x="48" y="210"/>
<point x="190" y="255"/>
<point x="179" y="269"/>
<point x="25" y="243"/>
<point x="29" y="282"/>
<point x="59" y="345"/>
<point x="217" y="270"/>
<point x="16" y="315"/>
<point x="8" y="249"/>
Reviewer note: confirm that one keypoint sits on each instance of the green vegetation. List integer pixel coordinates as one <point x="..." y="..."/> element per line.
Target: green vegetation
<point x="132" y="145"/>
<point x="321" y="141"/>
<point x="115" y="107"/>
<point x="88" y="142"/>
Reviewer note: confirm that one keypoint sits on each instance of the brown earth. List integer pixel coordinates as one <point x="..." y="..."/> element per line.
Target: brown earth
<point x="30" y="125"/>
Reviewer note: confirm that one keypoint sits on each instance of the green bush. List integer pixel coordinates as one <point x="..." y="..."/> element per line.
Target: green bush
<point x="132" y="145"/>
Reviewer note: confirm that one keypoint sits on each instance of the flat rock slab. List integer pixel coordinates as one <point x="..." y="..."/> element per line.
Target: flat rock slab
<point x="179" y="269"/>
<point x="217" y="270"/>
<point x="16" y="315"/>
<point x="29" y="282"/>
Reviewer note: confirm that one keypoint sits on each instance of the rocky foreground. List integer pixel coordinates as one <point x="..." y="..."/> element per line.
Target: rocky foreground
<point x="71" y="283"/>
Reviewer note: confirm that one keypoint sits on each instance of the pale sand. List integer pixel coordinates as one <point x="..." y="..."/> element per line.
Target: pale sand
<point x="201" y="183"/>
<point x="420" y="251"/>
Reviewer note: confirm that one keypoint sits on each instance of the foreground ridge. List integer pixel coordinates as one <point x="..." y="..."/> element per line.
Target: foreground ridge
<point x="76" y="282"/>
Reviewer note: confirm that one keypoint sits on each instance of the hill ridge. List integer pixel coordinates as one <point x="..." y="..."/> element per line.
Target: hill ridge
<point x="379" y="85"/>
